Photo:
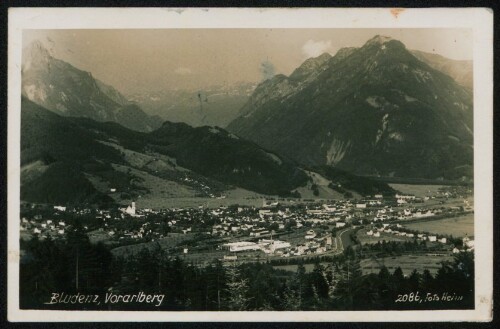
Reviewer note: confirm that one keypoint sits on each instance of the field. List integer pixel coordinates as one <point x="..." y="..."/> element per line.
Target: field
<point x="456" y="226"/>
<point x="172" y="240"/>
<point x="407" y="263"/>
<point x="417" y="190"/>
<point x="97" y="236"/>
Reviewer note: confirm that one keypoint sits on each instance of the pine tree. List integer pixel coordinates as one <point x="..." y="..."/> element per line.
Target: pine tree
<point x="237" y="288"/>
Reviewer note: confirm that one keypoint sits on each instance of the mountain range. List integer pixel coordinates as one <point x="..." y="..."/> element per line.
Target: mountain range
<point x="460" y="70"/>
<point x="377" y="110"/>
<point x="212" y="106"/>
<point x="66" y="90"/>
<point x="104" y="162"/>
<point x="374" y="110"/>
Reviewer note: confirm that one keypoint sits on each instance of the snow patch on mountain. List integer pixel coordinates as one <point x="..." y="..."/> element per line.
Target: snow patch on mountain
<point x="381" y="131"/>
<point x="337" y="151"/>
<point x="275" y="158"/>
<point x="35" y="94"/>
<point x="397" y="136"/>
<point x="214" y="130"/>
<point x="233" y="136"/>
<point x="374" y="102"/>
<point x="422" y="76"/>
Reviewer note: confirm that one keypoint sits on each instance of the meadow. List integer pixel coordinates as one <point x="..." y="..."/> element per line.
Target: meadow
<point x="456" y="226"/>
<point x="408" y="263"/>
<point x="417" y="190"/>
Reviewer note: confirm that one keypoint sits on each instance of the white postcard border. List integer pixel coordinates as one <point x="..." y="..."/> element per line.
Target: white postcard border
<point x="480" y="20"/>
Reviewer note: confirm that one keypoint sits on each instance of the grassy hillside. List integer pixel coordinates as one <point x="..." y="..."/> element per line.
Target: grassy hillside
<point x="79" y="160"/>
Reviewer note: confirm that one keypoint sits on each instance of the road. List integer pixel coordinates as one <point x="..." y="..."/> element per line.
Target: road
<point x="344" y="238"/>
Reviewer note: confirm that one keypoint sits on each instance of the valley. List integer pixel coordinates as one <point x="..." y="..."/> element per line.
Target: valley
<point x="349" y="178"/>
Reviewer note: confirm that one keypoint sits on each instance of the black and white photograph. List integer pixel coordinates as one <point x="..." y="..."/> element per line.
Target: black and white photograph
<point x="182" y="168"/>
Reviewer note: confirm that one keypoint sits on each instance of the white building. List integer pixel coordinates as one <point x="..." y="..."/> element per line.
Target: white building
<point x="60" y="208"/>
<point x="405" y="197"/>
<point x="241" y="246"/>
<point x="468" y="242"/>
<point x="130" y="209"/>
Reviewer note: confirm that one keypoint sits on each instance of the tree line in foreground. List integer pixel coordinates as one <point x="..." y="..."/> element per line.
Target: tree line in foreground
<point x="74" y="265"/>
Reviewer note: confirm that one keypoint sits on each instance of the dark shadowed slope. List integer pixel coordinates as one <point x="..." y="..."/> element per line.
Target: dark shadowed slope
<point x="375" y="110"/>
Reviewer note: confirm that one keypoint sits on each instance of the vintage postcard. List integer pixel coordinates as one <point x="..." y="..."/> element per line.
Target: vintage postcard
<point x="250" y="164"/>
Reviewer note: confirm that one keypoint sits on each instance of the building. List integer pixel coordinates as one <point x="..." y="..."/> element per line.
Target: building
<point x="310" y="235"/>
<point x="468" y="242"/>
<point x="241" y="246"/>
<point x="329" y="208"/>
<point x="130" y="209"/>
<point x="277" y="244"/>
<point x="405" y="197"/>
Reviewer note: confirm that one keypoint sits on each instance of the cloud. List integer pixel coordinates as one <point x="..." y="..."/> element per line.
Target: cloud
<point x="183" y="71"/>
<point x="267" y="70"/>
<point x="315" y="48"/>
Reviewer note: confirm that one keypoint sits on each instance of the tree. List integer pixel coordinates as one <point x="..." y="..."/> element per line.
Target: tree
<point x="350" y="273"/>
<point x="414" y="280"/>
<point x="427" y="281"/>
<point x="293" y="295"/>
<point x="237" y="288"/>
<point x="398" y="279"/>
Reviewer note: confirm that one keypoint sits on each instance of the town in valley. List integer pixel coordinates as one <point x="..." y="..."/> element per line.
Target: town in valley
<point x="280" y="231"/>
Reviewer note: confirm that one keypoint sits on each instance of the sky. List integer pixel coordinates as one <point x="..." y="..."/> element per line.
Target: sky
<point x="152" y="60"/>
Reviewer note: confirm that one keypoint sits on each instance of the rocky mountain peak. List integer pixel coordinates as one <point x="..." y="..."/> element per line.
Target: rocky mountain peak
<point x="378" y="40"/>
<point x="384" y="43"/>
<point x="323" y="57"/>
<point x="363" y="111"/>
<point x="344" y="52"/>
<point x="310" y="65"/>
<point x="35" y="54"/>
